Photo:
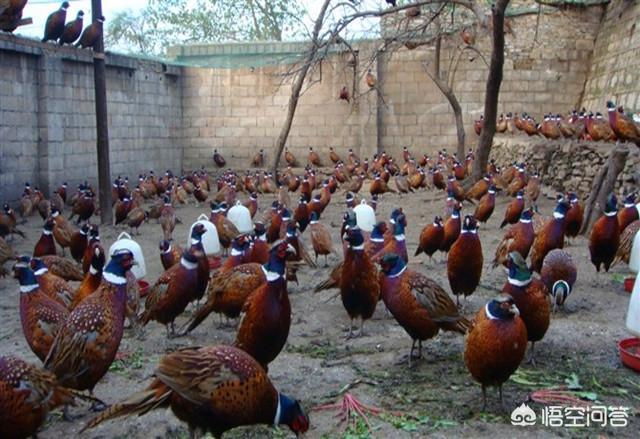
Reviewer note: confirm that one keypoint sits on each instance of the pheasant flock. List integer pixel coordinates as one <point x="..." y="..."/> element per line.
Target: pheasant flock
<point x="75" y="299"/>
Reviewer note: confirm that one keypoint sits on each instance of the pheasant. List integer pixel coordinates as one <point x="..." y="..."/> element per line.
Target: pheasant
<point x="169" y="296"/>
<point x="213" y="389"/>
<point x="40" y="315"/>
<point x="88" y="341"/>
<point x="266" y="319"/>
<point x="417" y="302"/>
<point x="27" y="395"/>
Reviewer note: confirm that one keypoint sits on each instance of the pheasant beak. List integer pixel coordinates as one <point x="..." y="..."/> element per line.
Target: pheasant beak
<point x="514" y="310"/>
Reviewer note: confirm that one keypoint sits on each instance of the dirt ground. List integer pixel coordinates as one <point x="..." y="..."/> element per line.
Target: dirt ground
<point x="436" y="397"/>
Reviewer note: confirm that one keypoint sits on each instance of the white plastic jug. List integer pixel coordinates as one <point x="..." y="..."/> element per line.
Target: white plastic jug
<point x="633" y="314"/>
<point x="634" y="258"/>
<point x="210" y="240"/>
<point x="124" y="241"/>
<point x="241" y="218"/>
<point x="365" y="216"/>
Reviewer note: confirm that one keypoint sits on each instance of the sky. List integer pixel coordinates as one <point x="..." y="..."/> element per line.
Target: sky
<point x="39" y="10"/>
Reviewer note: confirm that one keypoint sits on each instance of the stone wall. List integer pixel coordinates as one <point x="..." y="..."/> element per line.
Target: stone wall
<point x="566" y="165"/>
<point x="47" y="116"/>
<point x="615" y="69"/>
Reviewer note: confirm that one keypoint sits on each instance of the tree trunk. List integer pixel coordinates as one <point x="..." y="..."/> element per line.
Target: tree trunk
<point x="451" y="97"/>
<point x="491" y="95"/>
<point x="297" y="86"/>
<point x="603" y="185"/>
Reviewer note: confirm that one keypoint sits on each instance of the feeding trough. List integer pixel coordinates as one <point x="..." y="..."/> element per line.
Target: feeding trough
<point x="630" y="353"/>
<point x="210" y="240"/>
<point x="124" y="241"/>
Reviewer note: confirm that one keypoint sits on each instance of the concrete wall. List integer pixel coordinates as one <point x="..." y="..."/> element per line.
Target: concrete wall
<point x="47" y="116"/>
<point x="615" y="70"/>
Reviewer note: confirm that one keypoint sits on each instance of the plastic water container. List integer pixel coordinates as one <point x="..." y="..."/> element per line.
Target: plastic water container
<point x="365" y="216"/>
<point x="634" y="258"/>
<point x="633" y="314"/>
<point x="124" y="241"/>
<point x="210" y="240"/>
<point x="241" y="218"/>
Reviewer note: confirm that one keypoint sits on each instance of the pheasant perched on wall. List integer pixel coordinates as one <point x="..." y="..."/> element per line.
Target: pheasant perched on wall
<point x="550" y="236"/>
<point x="464" y="261"/>
<point x="417" y="302"/>
<point x="55" y="23"/>
<point x="169" y="296"/>
<point x="266" y="319"/>
<point x="605" y="236"/>
<point x="27" y="395"/>
<point x="72" y="30"/>
<point x="496" y="344"/>
<point x="622" y="125"/>
<point x="87" y="343"/>
<point x="530" y="296"/>
<point x="40" y="315"/>
<point x="558" y="273"/>
<point x="431" y="238"/>
<point x="213" y="389"/>
<point x="91" y="34"/>
<point x="599" y="129"/>
<point x="519" y="238"/>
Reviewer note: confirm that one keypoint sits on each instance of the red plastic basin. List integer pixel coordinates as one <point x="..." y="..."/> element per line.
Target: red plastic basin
<point x="144" y="287"/>
<point x="628" y="284"/>
<point x="630" y="353"/>
<point x="215" y="262"/>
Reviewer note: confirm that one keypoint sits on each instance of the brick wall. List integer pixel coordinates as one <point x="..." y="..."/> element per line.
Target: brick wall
<point x="240" y="110"/>
<point x="47" y="116"/>
<point x="615" y="70"/>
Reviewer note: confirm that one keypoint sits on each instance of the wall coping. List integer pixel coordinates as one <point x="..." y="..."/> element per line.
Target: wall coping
<point x="29" y="46"/>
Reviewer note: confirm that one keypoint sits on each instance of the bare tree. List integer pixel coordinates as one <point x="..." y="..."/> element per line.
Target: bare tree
<point x="494" y="80"/>
<point x="321" y="42"/>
